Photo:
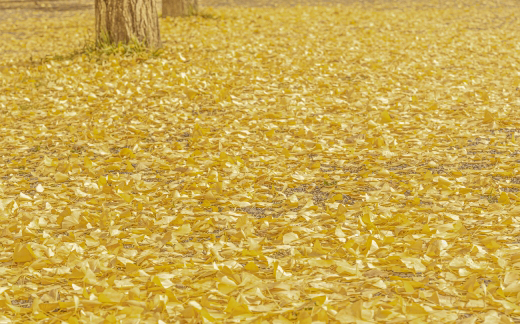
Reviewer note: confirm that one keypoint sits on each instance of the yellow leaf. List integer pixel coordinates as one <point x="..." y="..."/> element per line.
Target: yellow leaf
<point x="414" y="264"/>
<point x="132" y="310"/>
<point x="488" y="117"/>
<point x="372" y="124"/>
<point x="464" y="191"/>
<point x="190" y="93"/>
<point x="225" y="288"/>
<point x="102" y="181"/>
<point x="209" y="196"/>
<point x="87" y="162"/>
<point x="339" y="233"/>
<point x="39" y="188"/>
<point x="218" y="187"/>
<point x="278" y="271"/>
<point x="385" y="116"/>
<point x="345" y="267"/>
<point x="282" y="320"/>
<point x="126" y="197"/>
<point x="491" y="244"/>
<point x="340" y="213"/>
<point x="504" y="198"/>
<point x="60" y="177"/>
<point x="445" y="181"/>
<point x="416" y="309"/>
<point x="315" y="165"/>
<point x="190" y="161"/>
<point x="65" y="305"/>
<point x="129" y="167"/>
<point x="24" y="196"/>
<point x="23" y="253"/>
<point x="320" y="300"/>
<point x="317" y="248"/>
<point x="242" y="221"/>
<point x="131" y="268"/>
<point x="357" y="309"/>
<point x="110" y="296"/>
<point x="367" y="219"/>
<point x="183" y="230"/>
<point x="251" y="266"/>
<point x="234" y="308"/>
<point x="408" y="287"/>
<point x="290" y="237"/>
<point x="126" y="152"/>
<point x="204" y="312"/>
<point x="293" y="200"/>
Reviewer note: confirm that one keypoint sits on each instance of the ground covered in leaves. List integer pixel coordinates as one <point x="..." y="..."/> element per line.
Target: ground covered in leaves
<point x="355" y="163"/>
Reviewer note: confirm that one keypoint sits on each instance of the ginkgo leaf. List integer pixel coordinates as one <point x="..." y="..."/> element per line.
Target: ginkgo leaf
<point x="24" y="196"/>
<point x="290" y="237"/>
<point x="183" y="230"/>
<point x="109" y="295"/>
<point x="88" y="163"/>
<point x="60" y="177"/>
<point x="23" y="253"/>
<point x="504" y="198"/>
<point x="251" y="266"/>
<point x="385" y="117"/>
<point x="39" y="188"/>
<point x="488" y="117"/>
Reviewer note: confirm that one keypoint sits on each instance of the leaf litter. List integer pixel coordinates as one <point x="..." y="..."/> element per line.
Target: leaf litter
<point x="351" y="163"/>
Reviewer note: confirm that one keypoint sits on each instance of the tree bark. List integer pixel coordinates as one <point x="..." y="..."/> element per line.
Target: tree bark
<point x="127" y="20"/>
<point x="178" y="8"/>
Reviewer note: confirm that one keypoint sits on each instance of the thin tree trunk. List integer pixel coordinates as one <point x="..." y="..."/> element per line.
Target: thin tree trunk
<point x="178" y="8"/>
<point x="126" y="20"/>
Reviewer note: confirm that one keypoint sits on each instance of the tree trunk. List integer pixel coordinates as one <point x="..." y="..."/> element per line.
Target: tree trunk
<point x="127" y="20"/>
<point x="178" y="8"/>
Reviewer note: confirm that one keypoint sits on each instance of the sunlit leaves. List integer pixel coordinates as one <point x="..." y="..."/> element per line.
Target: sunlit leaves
<point x="351" y="164"/>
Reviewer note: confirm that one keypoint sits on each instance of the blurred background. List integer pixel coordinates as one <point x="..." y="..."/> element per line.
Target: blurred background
<point x="32" y="29"/>
<point x="67" y="5"/>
